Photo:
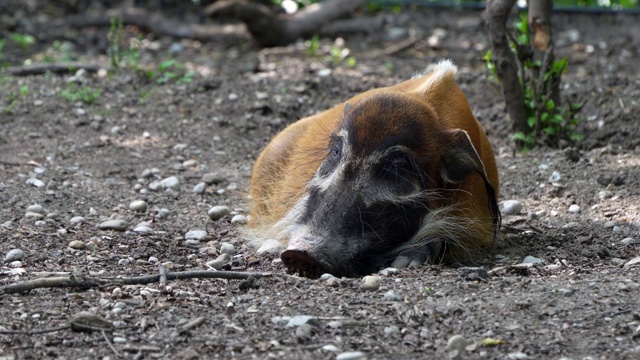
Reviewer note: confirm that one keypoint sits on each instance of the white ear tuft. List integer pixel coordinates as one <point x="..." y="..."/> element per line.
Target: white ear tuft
<point x="435" y="74"/>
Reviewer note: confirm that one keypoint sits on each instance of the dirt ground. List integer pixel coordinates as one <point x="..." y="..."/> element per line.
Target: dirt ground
<point x="93" y="160"/>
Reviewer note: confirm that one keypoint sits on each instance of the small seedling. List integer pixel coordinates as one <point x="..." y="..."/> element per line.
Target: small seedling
<point x="85" y="94"/>
<point x="23" y="40"/>
<point x="313" y="45"/>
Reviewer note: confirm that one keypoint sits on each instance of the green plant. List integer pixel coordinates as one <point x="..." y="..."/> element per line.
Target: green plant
<point x="313" y="45"/>
<point x="546" y="120"/>
<point x="23" y="40"/>
<point x="85" y="94"/>
<point x="171" y="69"/>
<point x="114" y="50"/>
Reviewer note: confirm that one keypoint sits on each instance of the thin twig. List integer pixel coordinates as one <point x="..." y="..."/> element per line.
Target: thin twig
<point x="58" y="68"/>
<point x="84" y="282"/>
<point x="193" y="324"/>
<point x="34" y="332"/>
<point x="104" y="334"/>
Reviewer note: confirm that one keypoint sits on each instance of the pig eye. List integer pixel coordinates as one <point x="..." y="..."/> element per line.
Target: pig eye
<point x="397" y="168"/>
<point x="335" y="151"/>
<point x="333" y="157"/>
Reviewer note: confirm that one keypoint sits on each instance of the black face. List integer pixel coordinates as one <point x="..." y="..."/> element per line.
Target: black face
<point x="359" y="208"/>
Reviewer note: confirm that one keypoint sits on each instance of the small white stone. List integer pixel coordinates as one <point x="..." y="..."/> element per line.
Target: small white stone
<point x="227" y="248"/>
<point x="35" y="182"/>
<point x="233" y="96"/>
<point x="604" y="194"/>
<point x="629" y="241"/>
<point x="36" y="208"/>
<point x="32" y="216"/>
<point x="138" y="206"/>
<point x="217" y="212"/>
<point x="219" y="262"/>
<point x="77" y="245"/>
<point x="331" y="348"/>
<point x="574" y="209"/>
<point x="532" y="260"/>
<point x="392" y="296"/>
<point x="119" y="340"/>
<point x="162" y="213"/>
<point x="196" y="235"/>
<point x="239" y="219"/>
<point x="370" y="283"/>
<point x="391" y="331"/>
<point x="124" y="262"/>
<point x="324" y="72"/>
<point x="555" y="177"/>
<point x="15" y="264"/>
<point x="143" y="228"/>
<point x="171" y="182"/>
<point x="511" y="207"/>
<point x="15" y="254"/>
<point x="190" y="163"/>
<point x="351" y="355"/>
<point x="199" y="188"/>
<point x="610" y="224"/>
<point x="153" y="259"/>
<point x="271" y="246"/>
<point x="113" y="224"/>
<point x="457" y="342"/>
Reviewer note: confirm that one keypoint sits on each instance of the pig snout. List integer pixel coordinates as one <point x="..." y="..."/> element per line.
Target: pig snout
<point x="301" y="257"/>
<point x="303" y="263"/>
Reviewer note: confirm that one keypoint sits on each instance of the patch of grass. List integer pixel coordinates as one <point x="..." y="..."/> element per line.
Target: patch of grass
<point x="23" y="40"/>
<point x="85" y="94"/>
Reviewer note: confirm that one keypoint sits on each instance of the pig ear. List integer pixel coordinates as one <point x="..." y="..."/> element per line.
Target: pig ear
<point x="461" y="158"/>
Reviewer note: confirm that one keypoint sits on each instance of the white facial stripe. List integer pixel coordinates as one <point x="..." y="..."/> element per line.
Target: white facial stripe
<point x="336" y="175"/>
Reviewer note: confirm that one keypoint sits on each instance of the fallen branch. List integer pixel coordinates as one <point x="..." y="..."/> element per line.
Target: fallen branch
<point x="152" y="22"/>
<point x="83" y="282"/>
<point x="58" y="68"/>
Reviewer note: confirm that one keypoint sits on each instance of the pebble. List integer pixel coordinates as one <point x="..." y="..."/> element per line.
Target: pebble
<point x="143" y="227"/>
<point x="324" y="72"/>
<point x="218" y="212"/>
<point x="61" y="231"/>
<point x="171" y="182"/>
<point x="351" y="355"/>
<point x="632" y="263"/>
<point x="227" y="248"/>
<point x="555" y="177"/>
<point x="610" y="224"/>
<point x="196" y="235"/>
<point x="331" y="348"/>
<point x="333" y="282"/>
<point x="77" y="245"/>
<point x="15" y="264"/>
<point x="532" y="260"/>
<point x="53" y="215"/>
<point x="239" y="219"/>
<point x="303" y="319"/>
<point x="199" y="188"/>
<point x="113" y="224"/>
<point x="190" y="163"/>
<point x="219" y="262"/>
<point x="280" y="320"/>
<point x="604" y="194"/>
<point x="511" y="207"/>
<point x="36" y="208"/>
<point x="119" y="340"/>
<point x="574" y="209"/>
<point x="517" y="356"/>
<point x="162" y="213"/>
<point x="370" y="283"/>
<point x="35" y="182"/>
<point x="15" y="254"/>
<point x="629" y="241"/>
<point x="211" y="178"/>
<point x="138" y="206"/>
<point x="33" y="216"/>
<point x="391" y="330"/>
<point x="124" y="262"/>
<point x="457" y="342"/>
<point x="304" y="331"/>
<point x="271" y="246"/>
<point x="326" y="276"/>
<point x="392" y="295"/>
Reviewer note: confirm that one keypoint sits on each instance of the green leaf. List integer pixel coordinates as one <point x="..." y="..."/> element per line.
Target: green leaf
<point x="550" y="105"/>
<point x="550" y="130"/>
<point x="531" y="121"/>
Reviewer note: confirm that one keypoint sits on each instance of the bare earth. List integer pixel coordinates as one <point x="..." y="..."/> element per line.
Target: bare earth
<point x="582" y="302"/>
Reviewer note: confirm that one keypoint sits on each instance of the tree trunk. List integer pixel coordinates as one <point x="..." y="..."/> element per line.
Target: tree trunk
<point x="497" y="13"/>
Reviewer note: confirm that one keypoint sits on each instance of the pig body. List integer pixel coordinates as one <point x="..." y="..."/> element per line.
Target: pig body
<point x="395" y="176"/>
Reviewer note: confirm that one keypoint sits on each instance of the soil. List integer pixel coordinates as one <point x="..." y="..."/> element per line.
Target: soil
<point x="582" y="302"/>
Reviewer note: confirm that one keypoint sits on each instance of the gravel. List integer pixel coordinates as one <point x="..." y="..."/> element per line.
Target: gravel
<point x="511" y="207"/>
<point x="138" y="206"/>
<point x="196" y="235"/>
